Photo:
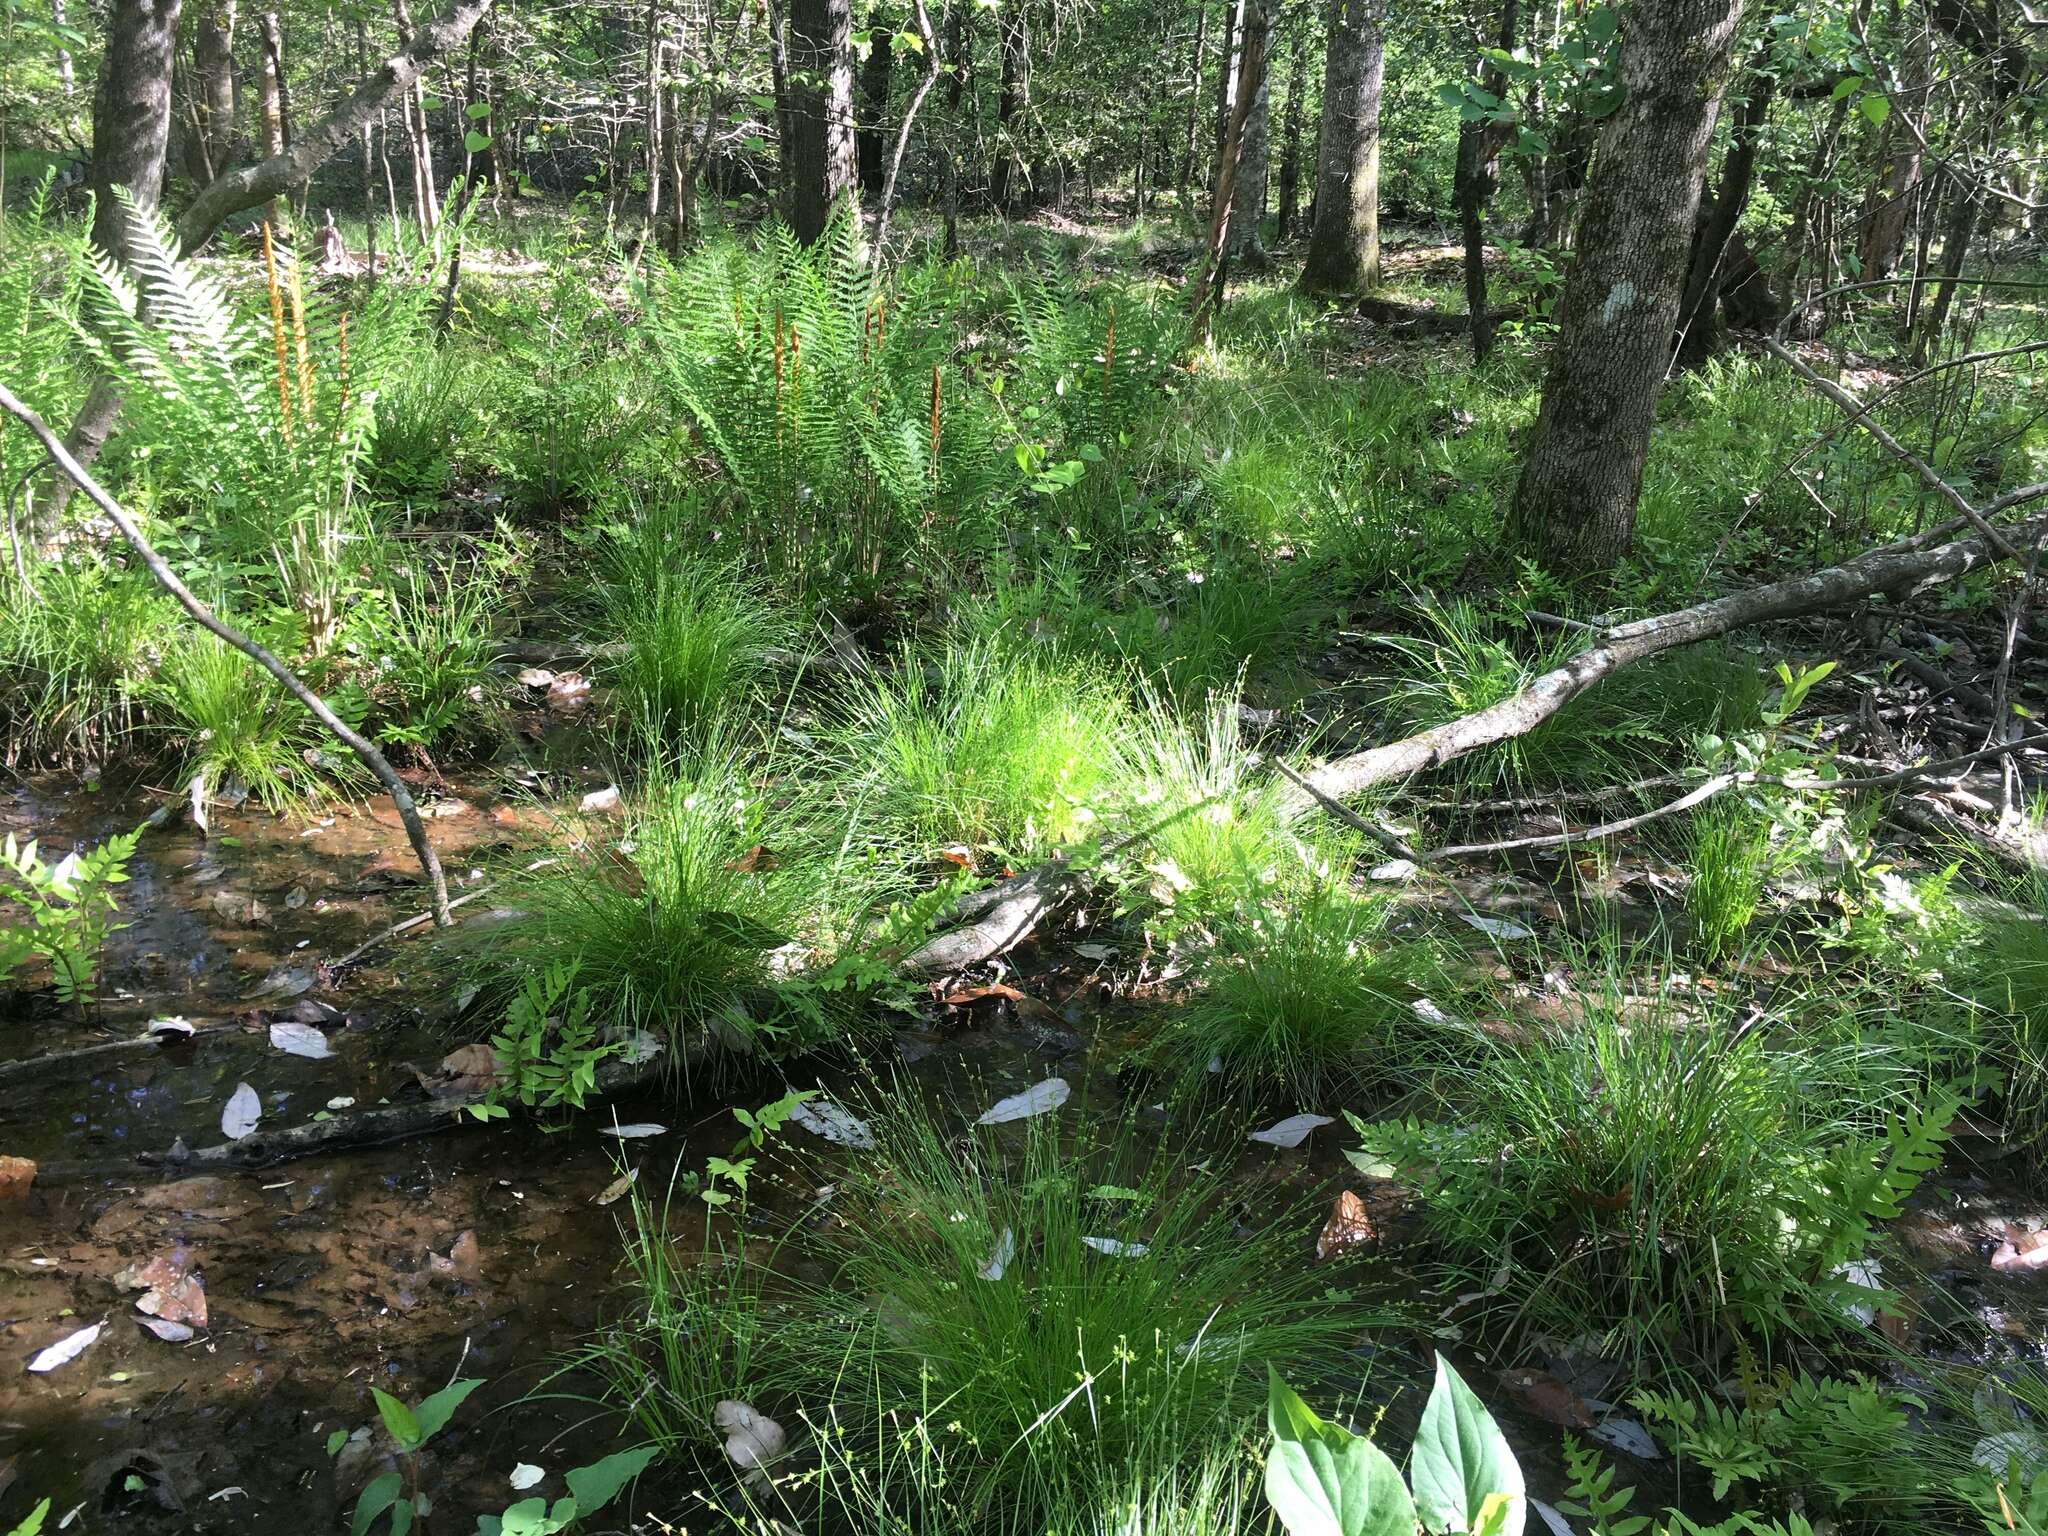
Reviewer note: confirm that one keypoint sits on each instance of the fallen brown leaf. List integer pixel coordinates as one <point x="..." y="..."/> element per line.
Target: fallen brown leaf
<point x="466" y="1072"/>
<point x="1548" y="1398"/>
<point x="1349" y="1227"/>
<point x="758" y="859"/>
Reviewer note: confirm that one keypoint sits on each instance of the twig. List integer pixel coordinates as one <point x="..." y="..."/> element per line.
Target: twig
<point x="204" y="616"/>
<point x="1387" y="840"/>
<point x="1720" y="782"/>
<point x="406" y="925"/>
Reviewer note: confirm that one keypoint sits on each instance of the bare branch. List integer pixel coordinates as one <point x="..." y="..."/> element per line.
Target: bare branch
<point x="167" y="578"/>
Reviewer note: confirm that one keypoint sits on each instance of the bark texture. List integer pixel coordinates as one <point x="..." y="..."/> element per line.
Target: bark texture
<point x="1344" y="245"/>
<point x="1010" y="181"/>
<point x="1713" y="273"/>
<point x="1290" y="132"/>
<point x="1576" y="503"/>
<point x="821" y="150"/>
<point x="213" y="48"/>
<point x="1248" y="205"/>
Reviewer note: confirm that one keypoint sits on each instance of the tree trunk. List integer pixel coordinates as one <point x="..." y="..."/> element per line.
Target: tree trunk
<point x="651" y="114"/>
<point x="1955" y="245"/>
<point x="821" y="156"/>
<point x="871" y="140"/>
<point x="1186" y="180"/>
<point x="1472" y="182"/>
<point x="1890" y="204"/>
<point x="67" y="80"/>
<point x="131" y="135"/>
<point x="213" y="48"/>
<point x="956" y="86"/>
<point x="1229" y="45"/>
<point x="1576" y="503"/>
<point x="420" y="145"/>
<point x="1249" y="211"/>
<point x="1290" y="132"/>
<point x="1712" y="273"/>
<point x="1344" y="243"/>
<point x="1013" y="106"/>
<point x="1215" y="276"/>
<point x="271" y="86"/>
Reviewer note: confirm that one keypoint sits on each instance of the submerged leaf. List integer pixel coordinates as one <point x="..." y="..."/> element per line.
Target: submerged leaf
<point x="1038" y="1099"/>
<point x="65" y="1350"/>
<point x="300" y="1040"/>
<point x="1291" y="1132"/>
<point x="243" y="1111"/>
<point x="834" y="1122"/>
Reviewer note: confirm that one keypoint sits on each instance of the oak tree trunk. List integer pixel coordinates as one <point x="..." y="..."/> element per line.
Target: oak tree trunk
<point x="871" y="141"/>
<point x="1344" y="244"/>
<point x="1712" y="272"/>
<point x="213" y="47"/>
<point x="1576" y="503"/>
<point x="1013" y="105"/>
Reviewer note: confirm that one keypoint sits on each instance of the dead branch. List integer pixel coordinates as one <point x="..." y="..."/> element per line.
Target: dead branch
<point x="1625" y="644"/>
<point x="227" y="195"/>
<point x="1720" y="782"/>
<point x="205" y="617"/>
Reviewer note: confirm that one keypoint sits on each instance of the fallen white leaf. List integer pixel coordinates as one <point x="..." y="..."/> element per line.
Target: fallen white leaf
<point x="634" y="1131"/>
<point x="344" y="1101"/>
<point x="243" y="1111"/>
<point x="1393" y="869"/>
<point x="1291" y="1132"/>
<point x="1116" y="1249"/>
<point x="66" y="1349"/>
<point x="1038" y="1099"/>
<point x="641" y="1045"/>
<point x="524" y="1476"/>
<point x="616" y="1188"/>
<point x="300" y="1040"/>
<point x="1498" y="927"/>
<point x="752" y="1440"/>
<point x="1559" y="1526"/>
<point x="822" y="1117"/>
<point x="606" y="799"/>
<point x="173" y="1025"/>
<point x="999" y="1261"/>
<point x="165" y="1329"/>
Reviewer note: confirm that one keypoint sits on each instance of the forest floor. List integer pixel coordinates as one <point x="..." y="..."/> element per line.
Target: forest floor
<point x="493" y="1248"/>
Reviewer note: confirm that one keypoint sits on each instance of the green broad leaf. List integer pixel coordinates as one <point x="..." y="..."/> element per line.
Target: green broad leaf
<point x="1461" y="1459"/>
<point x="434" y="1412"/>
<point x="529" y="1517"/>
<point x="477" y="111"/>
<point x="33" y="1525"/>
<point x="379" y="1496"/>
<point x="909" y="42"/>
<point x="1848" y="85"/>
<point x="1322" y="1480"/>
<point x="401" y="1517"/>
<point x="476" y="143"/>
<point x="1875" y="108"/>
<point x="740" y="931"/>
<point x="398" y="1418"/>
<point x="336" y="1441"/>
<point x="598" y="1484"/>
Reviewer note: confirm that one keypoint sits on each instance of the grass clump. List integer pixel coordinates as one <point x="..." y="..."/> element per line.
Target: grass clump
<point x="1303" y="999"/>
<point x="76" y="646"/>
<point x="434" y="643"/>
<point x="979" y="744"/>
<point x="1661" y="1183"/>
<point x="1074" y="1316"/>
<point x="694" y="634"/>
<point x="232" y="724"/>
<point x="712" y="896"/>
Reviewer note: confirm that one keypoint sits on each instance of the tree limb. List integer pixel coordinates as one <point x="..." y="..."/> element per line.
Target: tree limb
<point x="205" y="617"/>
<point x="1816" y="592"/>
<point x="245" y="187"/>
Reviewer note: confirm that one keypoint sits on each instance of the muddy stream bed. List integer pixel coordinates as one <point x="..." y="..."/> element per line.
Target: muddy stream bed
<point x="480" y="1251"/>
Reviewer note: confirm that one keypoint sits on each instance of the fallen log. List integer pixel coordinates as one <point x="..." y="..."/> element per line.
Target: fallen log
<point x="1003" y="915"/>
<point x="1622" y="645"/>
<point x="389" y="1123"/>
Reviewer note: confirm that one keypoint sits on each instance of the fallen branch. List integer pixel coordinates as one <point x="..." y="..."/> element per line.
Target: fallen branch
<point x="204" y="616"/>
<point x="1720" y="782"/>
<point x="29" y="1067"/>
<point x="1623" y="645"/>
<point x="385" y="1124"/>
